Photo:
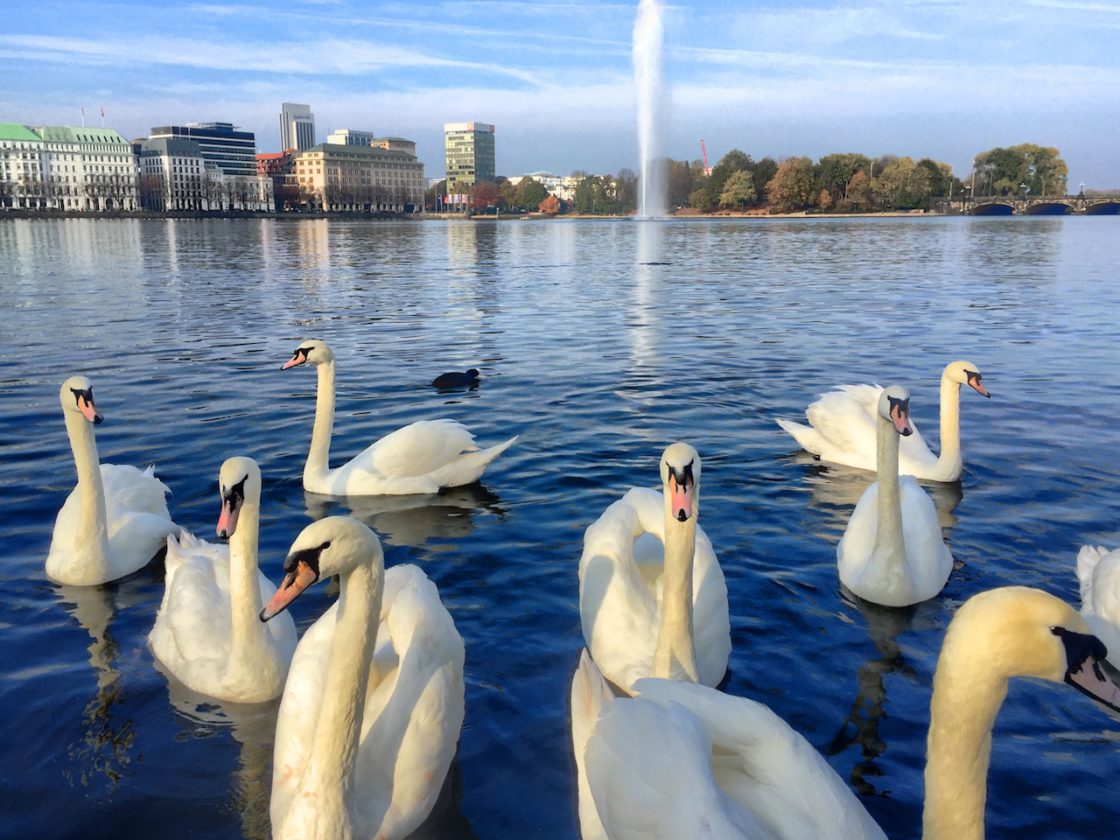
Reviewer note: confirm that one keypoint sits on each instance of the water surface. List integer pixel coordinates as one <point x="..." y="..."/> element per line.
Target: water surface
<point x="599" y="343"/>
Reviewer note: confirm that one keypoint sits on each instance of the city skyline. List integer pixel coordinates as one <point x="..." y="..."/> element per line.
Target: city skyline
<point x="945" y="80"/>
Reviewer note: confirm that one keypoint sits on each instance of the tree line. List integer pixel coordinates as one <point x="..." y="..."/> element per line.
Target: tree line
<point x="839" y="183"/>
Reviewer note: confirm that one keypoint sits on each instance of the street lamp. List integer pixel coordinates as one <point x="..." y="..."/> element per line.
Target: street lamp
<point x="1082" y="187"/>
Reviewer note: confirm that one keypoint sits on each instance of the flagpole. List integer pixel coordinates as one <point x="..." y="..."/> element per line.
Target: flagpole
<point x="83" y="116"/>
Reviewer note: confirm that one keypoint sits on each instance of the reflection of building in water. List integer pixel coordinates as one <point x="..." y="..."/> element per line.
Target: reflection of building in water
<point x="106" y="746"/>
<point x="411" y="520"/>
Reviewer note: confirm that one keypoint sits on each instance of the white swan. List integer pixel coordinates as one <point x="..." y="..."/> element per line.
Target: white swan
<point x="367" y="726"/>
<point x="842" y="427"/>
<point x="684" y="760"/>
<point x="206" y="632"/>
<point x="421" y="457"/>
<point x="892" y="552"/>
<point x="115" y="519"/>
<point x="651" y="591"/>
<point x="1098" y="572"/>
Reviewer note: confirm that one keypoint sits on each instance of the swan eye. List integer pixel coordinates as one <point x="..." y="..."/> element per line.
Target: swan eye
<point x="973" y="376"/>
<point x="236" y="494"/>
<point x="79" y="394"/>
<point x="1080" y="649"/>
<point x="683" y="477"/>
<point x="308" y="557"/>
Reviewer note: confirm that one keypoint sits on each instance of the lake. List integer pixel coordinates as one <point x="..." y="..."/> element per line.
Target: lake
<point x="599" y="343"/>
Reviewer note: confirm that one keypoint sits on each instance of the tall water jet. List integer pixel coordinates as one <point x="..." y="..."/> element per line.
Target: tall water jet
<point x="649" y="81"/>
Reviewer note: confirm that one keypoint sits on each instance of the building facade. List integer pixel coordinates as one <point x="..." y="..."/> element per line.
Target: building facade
<point x="561" y="186"/>
<point x="66" y="168"/>
<point x="172" y="175"/>
<point x="469" y="155"/>
<point x="334" y="176"/>
<point x="233" y="151"/>
<point x="351" y="137"/>
<point x="297" y="126"/>
<point x="279" y="167"/>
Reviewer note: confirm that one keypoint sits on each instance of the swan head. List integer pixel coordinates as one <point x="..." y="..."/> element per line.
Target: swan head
<point x="1017" y="631"/>
<point x="332" y="546"/>
<point x="309" y="352"/>
<point x="680" y="479"/>
<point x="966" y="373"/>
<point x="238" y="479"/>
<point x="894" y="407"/>
<point x="76" y="394"/>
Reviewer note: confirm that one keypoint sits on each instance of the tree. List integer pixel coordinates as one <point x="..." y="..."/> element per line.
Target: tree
<point x="824" y="200"/>
<point x="836" y="170"/>
<point x="483" y="195"/>
<point x="732" y="162"/>
<point x="858" y="192"/>
<point x="680" y="183"/>
<point x="550" y="205"/>
<point x="432" y="195"/>
<point x="1039" y="168"/>
<point x="530" y="193"/>
<point x="792" y="187"/>
<point x="764" y="171"/>
<point x="625" y="191"/>
<point x="738" y="190"/>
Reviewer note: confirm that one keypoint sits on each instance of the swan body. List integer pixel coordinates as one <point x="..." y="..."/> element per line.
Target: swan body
<point x="374" y="700"/>
<point x="892" y="552"/>
<point x="115" y="519"/>
<point x="650" y="586"/>
<point x="841" y="427"/>
<point x="421" y="457"/>
<point x="684" y="760"/>
<point x="1098" y="572"/>
<point x="206" y="632"/>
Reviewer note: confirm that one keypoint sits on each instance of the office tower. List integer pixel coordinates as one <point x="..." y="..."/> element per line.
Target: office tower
<point x="297" y="126"/>
<point x="469" y="151"/>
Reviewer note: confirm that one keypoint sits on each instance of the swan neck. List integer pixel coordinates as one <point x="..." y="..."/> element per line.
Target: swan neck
<point x="331" y="764"/>
<point x="889" y="538"/>
<point x="675" y="654"/>
<point x="318" y="456"/>
<point x="93" y="526"/>
<point x="248" y="633"/>
<point x="950" y="458"/>
<point x="966" y="699"/>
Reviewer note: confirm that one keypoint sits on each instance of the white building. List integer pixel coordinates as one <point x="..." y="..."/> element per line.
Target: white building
<point x="174" y="175"/>
<point x="297" y="126"/>
<point x="67" y="168"/>
<point x="563" y="187"/>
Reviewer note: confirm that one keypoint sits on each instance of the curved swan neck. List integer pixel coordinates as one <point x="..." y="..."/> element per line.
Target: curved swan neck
<point x="675" y="654"/>
<point x="318" y="456"/>
<point x="92" y="517"/>
<point x="247" y="632"/>
<point x="888" y="532"/>
<point x="331" y="763"/>
<point x="949" y="460"/>
<point x="965" y="703"/>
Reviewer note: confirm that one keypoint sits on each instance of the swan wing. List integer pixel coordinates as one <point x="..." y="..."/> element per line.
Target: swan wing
<point x="927" y="556"/>
<point x="1100" y="595"/>
<point x="1088" y="558"/>
<point x="416" y="449"/>
<point x="414" y="712"/>
<point x="650" y="774"/>
<point x="765" y="767"/>
<point x="711" y="613"/>
<point x="128" y="488"/>
<point x="191" y="634"/>
<point x="590" y="698"/>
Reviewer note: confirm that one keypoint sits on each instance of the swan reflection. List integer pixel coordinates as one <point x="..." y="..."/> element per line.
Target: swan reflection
<point x="834" y="491"/>
<point x="411" y="520"/>
<point x="107" y="741"/>
<point x="861" y="726"/>
<point x="253" y="727"/>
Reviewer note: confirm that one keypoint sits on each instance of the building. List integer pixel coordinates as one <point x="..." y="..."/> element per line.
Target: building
<point x="561" y="186"/>
<point x="233" y="151"/>
<point x="297" y="126"/>
<point x="351" y="137"/>
<point x="335" y="176"/>
<point x="66" y="168"/>
<point x="172" y="175"/>
<point x="469" y="155"/>
<point x="279" y="167"/>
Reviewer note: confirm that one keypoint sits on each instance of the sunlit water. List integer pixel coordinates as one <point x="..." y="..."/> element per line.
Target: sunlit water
<point x="599" y="343"/>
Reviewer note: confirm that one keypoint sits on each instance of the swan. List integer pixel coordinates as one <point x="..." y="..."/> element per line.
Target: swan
<point x="685" y="760"/>
<point x="892" y="552"/>
<point x="115" y="519"/>
<point x="367" y="727"/>
<point x="842" y="427"/>
<point x="206" y="632"/>
<point x="651" y="591"/>
<point x="1098" y="572"/>
<point x="421" y="457"/>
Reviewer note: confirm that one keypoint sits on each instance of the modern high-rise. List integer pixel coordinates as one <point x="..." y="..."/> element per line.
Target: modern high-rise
<point x="297" y="126"/>
<point x="351" y="137"/>
<point x="469" y="149"/>
<point x="231" y="150"/>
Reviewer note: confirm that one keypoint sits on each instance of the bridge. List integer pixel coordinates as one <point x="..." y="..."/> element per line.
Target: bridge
<point x="1027" y="205"/>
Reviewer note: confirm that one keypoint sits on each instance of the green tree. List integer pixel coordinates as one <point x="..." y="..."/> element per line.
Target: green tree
<point x="834" y="171"/>
<point x="732" y="162"/>
<point x="1001" y="171"/>
<point x="738" y="190"/>
<point x="680" y="183"/>
<point x="764" y="172"/>
<point x="792" y="187"/>
<point x="530" y="193"/>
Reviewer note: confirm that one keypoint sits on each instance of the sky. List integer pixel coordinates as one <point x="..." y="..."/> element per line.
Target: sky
<point x="945" y="79"/>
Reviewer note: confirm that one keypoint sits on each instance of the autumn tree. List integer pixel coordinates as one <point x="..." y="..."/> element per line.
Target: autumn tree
<point x="835" y="171"/>
<point x="792" y="187"/>
<point x="484" y="195"/>
<point x="738" y="190"/>
<point x="550" y="205"/>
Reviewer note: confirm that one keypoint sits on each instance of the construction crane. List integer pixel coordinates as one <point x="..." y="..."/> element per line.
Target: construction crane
<point x="704" y="152"/>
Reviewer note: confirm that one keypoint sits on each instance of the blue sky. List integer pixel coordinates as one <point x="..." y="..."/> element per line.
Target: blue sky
<point x="941" y="79"/>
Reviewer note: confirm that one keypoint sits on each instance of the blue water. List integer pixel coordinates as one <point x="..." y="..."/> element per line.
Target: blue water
<point x="599" y="343"/>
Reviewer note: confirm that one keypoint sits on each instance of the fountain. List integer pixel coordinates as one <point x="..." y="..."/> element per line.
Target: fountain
<point x="649" y="81"/>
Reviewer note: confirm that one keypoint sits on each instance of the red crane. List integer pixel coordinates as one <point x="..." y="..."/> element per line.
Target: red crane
<point x="704" y="152"/>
